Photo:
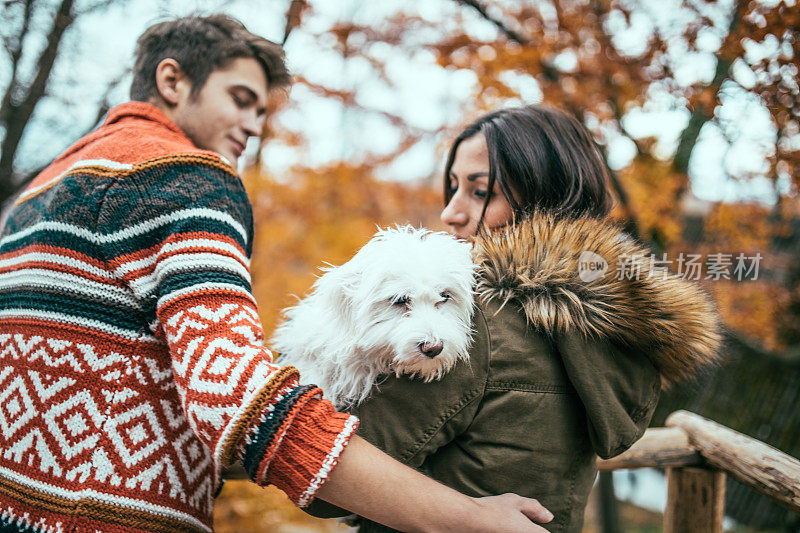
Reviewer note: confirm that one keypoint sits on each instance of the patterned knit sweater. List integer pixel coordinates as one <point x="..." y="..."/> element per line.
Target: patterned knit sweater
<point x="131" y="360"/>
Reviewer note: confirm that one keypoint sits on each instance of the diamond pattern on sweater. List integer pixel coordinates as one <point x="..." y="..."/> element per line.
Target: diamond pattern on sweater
<point x="48" y="386"/>
<point x="74" y="422"/>
<point x="136" y="434"/>
<point x="16" y="407"/>
<point x="191" y="457"/>
<point x="61" y="428"/>
<point x="213" y="365"/>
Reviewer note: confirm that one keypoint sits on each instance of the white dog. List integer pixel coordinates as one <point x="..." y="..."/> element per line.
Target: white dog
<point x="402" y="304"/>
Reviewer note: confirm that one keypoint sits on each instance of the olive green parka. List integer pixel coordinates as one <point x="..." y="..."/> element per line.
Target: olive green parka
<point x="563" y="368"/>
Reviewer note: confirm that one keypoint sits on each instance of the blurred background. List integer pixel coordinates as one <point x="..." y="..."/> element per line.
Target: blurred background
<point x="694" y="103"/>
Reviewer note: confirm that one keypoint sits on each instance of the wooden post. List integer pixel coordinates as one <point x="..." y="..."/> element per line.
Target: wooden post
<point x="695" y="500"/>
<point x="609" y="510"/>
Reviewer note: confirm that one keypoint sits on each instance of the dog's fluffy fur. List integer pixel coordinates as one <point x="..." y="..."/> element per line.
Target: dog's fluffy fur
<point x="405" y="292"/>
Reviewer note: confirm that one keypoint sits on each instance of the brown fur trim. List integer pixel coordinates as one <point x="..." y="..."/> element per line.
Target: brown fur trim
<point x="535" y="264"/>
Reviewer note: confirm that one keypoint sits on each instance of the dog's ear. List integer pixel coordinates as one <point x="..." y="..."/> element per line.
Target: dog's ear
<point x="337" y="290"/>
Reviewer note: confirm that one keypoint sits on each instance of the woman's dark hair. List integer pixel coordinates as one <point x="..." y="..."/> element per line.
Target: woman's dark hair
<point x="541" y="158"/>
<point x="202" y="45"/>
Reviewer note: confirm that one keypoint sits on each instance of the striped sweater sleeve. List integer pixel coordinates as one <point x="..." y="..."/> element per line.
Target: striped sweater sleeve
<point x="180" y="235"/>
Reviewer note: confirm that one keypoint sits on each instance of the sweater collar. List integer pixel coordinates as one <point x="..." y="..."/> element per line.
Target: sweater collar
<point x="141" y="110"/>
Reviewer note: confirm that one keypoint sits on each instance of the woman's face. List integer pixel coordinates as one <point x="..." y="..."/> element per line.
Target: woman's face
<point x="469" y="179"/>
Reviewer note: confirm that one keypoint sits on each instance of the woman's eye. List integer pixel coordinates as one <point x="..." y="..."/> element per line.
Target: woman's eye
<point x="452" y="188"/>
<point x="480" y="194"/>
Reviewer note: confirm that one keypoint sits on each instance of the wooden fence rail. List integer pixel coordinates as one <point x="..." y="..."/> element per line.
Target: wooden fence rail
<point x="698" y="454"/>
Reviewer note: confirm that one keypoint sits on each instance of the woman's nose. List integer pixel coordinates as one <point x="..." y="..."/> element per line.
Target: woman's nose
<point x="452" y="215"/>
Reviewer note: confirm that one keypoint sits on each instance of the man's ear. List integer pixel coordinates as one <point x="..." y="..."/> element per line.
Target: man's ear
<point x="171" y="82"/>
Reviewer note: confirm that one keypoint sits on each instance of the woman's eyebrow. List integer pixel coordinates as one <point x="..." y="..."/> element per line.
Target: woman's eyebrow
<point x="470" y="177"/>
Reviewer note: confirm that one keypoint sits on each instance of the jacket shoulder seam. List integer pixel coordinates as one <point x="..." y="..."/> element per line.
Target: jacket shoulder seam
<point x="528" y="387"/>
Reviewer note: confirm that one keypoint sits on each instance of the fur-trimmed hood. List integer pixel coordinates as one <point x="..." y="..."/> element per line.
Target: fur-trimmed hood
<point x="537" y="264"/>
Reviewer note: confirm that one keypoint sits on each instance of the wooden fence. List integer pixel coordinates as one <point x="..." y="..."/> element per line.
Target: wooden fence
<point x="698" y="454"/>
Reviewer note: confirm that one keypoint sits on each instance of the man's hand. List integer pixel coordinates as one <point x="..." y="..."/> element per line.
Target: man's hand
<point x="370" y="483"/>
<point x="507" y="512"/>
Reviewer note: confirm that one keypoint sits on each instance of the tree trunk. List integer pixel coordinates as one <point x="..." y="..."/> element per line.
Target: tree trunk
<point x="17" y="116"/>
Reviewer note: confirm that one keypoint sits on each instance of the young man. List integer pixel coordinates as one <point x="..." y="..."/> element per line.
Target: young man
<point x="131" y="360"/>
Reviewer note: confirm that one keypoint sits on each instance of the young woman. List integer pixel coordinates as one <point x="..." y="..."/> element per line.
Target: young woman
<point x="574" y="332"/>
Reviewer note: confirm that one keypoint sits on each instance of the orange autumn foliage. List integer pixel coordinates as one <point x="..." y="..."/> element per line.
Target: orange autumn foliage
<point x="654" y="188"/>
<point x="243" y="507"/>
<point x="741" y="227"/>
<point x="753" y="309"/>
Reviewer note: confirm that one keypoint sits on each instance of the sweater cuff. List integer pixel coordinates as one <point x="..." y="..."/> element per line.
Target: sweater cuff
<point x="298" y="455"/>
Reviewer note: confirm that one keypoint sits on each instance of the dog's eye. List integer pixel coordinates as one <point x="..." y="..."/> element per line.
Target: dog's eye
<point x="400" y="301"/>
<point x="445" y="296"/>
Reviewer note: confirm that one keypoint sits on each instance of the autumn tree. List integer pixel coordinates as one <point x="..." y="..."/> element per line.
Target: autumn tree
<point x="33" y="36"/>
<point x="607" y="62"/>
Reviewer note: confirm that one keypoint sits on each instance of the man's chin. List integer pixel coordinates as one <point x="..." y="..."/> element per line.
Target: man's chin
<point x="230" y="158"/>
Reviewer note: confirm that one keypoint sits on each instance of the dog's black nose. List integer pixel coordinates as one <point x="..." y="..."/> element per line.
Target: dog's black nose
<point x="431" y="349"/>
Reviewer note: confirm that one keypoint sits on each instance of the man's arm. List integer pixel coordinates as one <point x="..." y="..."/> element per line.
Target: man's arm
<point x="370" y="483"/>
<point x="177" y="232"/>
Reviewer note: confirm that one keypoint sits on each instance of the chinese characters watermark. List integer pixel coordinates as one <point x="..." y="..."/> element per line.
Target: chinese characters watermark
<point x="728" y="266"/>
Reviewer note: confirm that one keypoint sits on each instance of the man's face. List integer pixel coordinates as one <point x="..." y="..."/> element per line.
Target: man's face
<point x="227" y="110"/>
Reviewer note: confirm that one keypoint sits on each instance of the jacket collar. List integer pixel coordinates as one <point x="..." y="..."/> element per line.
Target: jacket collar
<point x="537" y="264"/>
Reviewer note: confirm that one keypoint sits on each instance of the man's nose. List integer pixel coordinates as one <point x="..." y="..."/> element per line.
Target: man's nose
<point x="252" y="124"/>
